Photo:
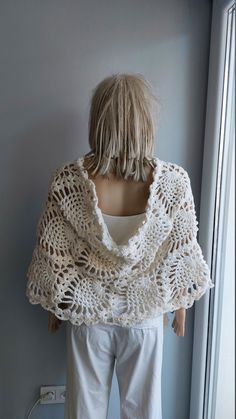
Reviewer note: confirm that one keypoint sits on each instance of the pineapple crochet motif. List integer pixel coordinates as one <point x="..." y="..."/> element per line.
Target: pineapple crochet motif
<point x="79" y="273"/>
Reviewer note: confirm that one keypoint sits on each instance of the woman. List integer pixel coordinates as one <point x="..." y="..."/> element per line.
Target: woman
<point x="117" y="251"/>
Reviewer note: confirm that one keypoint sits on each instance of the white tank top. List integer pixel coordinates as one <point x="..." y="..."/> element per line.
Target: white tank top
<point x="120" y="229"/>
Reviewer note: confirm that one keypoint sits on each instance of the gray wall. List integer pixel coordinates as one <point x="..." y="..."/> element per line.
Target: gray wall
<point x="52" y="54"/>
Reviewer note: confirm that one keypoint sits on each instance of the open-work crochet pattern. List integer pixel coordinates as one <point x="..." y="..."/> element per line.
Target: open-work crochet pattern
<point x="79" y="273"/>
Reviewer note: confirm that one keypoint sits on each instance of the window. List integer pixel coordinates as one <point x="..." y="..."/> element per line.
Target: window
<point x="212" y="392"/>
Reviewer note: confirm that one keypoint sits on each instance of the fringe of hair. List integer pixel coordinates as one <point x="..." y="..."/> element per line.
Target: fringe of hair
<point x="134" y="168"/>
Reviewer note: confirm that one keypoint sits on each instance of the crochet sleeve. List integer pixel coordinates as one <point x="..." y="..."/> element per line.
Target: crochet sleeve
<point x="184" y="272"/>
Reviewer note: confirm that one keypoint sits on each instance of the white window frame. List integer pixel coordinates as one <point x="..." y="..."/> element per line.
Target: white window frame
<point x="216" y="149"/>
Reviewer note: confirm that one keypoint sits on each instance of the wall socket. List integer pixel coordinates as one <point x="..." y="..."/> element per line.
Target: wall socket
<point x="57" y="394"/>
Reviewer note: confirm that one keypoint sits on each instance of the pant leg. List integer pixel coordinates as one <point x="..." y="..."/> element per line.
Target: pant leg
<point x="138" y="369"/>
<point x="90" y="365"/>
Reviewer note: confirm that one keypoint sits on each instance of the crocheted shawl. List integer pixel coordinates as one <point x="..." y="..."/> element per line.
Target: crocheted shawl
<point x="79" y="273"/>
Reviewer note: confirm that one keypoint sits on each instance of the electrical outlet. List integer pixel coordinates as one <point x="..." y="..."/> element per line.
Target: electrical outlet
<point x="51" y="397"/>
<point x="60" y="394"/>
<point x="56" y="394"/>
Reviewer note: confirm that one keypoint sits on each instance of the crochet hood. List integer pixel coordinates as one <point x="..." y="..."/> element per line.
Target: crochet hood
<point x="79" y="273"/>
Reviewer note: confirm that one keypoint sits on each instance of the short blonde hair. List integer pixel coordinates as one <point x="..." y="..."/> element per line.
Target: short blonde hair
<point x="122" y="124"/>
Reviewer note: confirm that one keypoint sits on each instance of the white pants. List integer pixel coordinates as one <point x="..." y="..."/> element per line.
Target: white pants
<point x="91" y="355"/>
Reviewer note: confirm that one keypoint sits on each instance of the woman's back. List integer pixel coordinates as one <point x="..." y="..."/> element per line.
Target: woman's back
<point x="122" y="197"/>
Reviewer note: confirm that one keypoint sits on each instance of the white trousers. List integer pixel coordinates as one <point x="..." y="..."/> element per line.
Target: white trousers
<point x="91" y="355"/>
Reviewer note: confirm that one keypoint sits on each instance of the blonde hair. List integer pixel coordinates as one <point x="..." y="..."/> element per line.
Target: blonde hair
<point x="122" y="124"/>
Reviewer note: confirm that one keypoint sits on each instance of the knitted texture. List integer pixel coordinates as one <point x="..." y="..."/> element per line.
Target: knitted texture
<point x="79" y="273"/>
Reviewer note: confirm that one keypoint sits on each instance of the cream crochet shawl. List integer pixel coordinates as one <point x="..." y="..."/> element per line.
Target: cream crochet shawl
<point x="79" y="273"/>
